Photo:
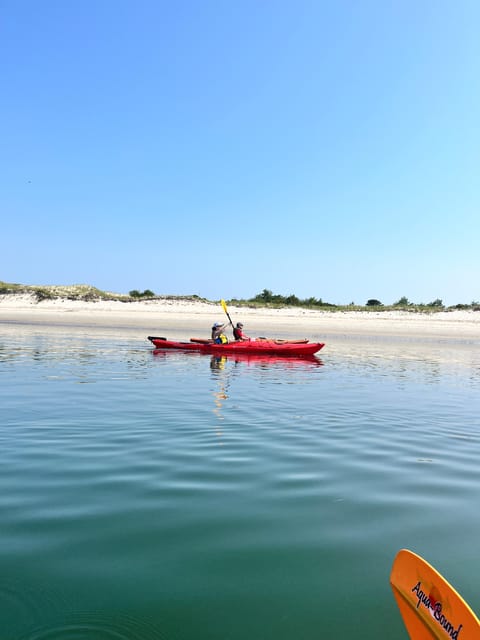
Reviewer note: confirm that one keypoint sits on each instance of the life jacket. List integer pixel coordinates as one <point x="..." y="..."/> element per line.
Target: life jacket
<point x="237" y="334"/>
<point x="222" y="339"/>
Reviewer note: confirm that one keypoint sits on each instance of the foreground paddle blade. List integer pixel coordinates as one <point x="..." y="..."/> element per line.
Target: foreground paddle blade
<point x="430" y="606"/>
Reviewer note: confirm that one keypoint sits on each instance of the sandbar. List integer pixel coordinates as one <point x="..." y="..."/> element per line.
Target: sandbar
<point x="183" y="318"/>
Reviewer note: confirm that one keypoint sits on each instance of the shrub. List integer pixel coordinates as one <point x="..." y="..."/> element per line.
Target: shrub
<point x="43" y="294"/>
<point x="374" y="303"/>
<point x="265" y="296"/>
<point x="139" y="294"/>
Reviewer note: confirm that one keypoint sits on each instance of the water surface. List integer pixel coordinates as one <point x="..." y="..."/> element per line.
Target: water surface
<point x="167" y="495"/>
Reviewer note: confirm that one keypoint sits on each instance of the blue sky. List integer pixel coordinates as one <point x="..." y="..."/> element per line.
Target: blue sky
<point x="326" y="149"/>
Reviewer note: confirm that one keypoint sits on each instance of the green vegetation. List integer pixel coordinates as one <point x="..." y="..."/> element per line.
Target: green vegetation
<point x="269" y="299"/>
<point x="265" y="298"/>
<point x="50" y="292"/>
<point x="85" y="292"/>
<point x="138" y="294"/>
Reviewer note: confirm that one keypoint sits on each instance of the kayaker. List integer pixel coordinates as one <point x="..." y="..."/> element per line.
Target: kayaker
<point x="217" y="333"/>
<point x="238" y="333"/>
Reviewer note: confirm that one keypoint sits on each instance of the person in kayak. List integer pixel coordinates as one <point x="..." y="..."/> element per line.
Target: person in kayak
<point x="238" y="333"/>
<point x="217" y="333"/>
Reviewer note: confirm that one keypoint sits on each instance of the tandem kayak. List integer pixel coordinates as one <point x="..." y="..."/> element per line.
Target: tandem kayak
<point x="274" y="347"/>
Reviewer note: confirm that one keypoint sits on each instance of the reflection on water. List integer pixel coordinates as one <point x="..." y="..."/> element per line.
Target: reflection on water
<point x="426" y="361"/>
<point x="183" y="495"/>
<point x="265" y="361"/>
<point x="87" y="359"/>
<point x="226" y="367"/>
<point x="217" y="365"/>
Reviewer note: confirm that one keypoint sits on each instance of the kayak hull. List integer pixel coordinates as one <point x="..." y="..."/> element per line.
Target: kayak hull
<point x="251" y="346"/>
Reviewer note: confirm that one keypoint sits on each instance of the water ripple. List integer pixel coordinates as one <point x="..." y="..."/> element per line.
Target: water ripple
<point x="161" y="495"/>
<point x="96" y="626"/>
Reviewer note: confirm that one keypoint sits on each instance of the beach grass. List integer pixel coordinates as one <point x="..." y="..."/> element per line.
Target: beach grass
<point x="264" y="300"/>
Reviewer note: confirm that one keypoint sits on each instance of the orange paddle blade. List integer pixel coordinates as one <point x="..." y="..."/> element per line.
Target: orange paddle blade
<point x="430" y="606"/>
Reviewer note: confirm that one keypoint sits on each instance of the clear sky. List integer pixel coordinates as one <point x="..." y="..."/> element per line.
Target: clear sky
<point x="218" y="148"/>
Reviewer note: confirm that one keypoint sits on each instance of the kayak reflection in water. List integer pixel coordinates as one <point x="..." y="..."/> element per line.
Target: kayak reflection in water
<point x="238" y="333"/>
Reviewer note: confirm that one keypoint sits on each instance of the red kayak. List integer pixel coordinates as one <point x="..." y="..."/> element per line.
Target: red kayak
<point x="266" y="347"/>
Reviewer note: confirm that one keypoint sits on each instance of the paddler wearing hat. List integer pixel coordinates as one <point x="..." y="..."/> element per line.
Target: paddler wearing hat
<point x="217" y="333"/>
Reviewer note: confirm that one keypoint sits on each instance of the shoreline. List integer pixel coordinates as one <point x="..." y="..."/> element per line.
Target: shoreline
<point x="182" y="319"/>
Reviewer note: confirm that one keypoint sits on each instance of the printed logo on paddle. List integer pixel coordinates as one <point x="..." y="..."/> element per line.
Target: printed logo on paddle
<point x="434" y="606"/>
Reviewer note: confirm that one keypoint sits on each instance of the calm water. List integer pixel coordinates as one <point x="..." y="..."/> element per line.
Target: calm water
<point x="151" y="495"/>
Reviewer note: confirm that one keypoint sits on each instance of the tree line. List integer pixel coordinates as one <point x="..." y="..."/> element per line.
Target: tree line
<point x="267" y="297"/>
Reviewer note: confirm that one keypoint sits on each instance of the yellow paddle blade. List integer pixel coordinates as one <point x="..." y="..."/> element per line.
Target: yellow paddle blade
<point x="224" y="305"/>
<point x="430" y="606"/>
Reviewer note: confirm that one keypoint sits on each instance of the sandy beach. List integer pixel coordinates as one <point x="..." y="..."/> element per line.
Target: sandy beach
<point x="182" y="319"/>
